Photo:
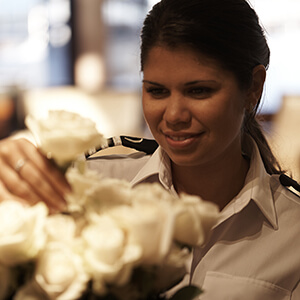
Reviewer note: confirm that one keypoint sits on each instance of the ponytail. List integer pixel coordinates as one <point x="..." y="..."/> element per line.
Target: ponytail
<point x="253" y="129"/>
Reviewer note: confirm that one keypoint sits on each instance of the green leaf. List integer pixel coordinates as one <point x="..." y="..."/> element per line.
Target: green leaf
<point x="187" y="293"/>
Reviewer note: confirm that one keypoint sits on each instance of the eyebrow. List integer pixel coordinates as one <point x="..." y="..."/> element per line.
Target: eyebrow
<point x="200" y="81"/>
<point x="186" y="84"/>
<point x="152" y="82"/>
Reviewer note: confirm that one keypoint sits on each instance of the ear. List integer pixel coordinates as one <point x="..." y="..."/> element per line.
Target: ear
<point x="257" y="86"/>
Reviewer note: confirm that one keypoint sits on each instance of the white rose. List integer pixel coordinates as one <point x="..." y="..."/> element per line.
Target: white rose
<point x="65" y="229"/>
<point x="6" y="278"/>
<point x="64" y="135"/>
<point x="150" y="221"/>
<point x="106" y="195"/>
<point x="60" y="228"/>
<point x="21" y="231"/>
<point x="108" y="255"/>
<point x="82" y="185"/>
<point x="60" y="272"/>
<point x="195" y="220"/>
<point x="153" y="192"/>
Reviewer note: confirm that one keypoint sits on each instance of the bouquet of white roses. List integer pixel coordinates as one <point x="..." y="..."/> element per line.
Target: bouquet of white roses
<point x="114" y="242"/>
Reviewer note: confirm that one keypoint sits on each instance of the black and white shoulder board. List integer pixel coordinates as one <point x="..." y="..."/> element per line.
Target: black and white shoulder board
<point x="290" y="183"/>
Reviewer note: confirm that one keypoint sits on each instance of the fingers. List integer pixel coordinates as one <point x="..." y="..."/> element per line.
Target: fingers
<point x="49" y="171"/>
<point x="6" y="195"/>
<point x="15" y="186"/>
<point x="29" y="175"/>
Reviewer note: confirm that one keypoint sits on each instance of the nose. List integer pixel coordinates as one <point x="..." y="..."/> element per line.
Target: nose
<point x="176" y="111"/>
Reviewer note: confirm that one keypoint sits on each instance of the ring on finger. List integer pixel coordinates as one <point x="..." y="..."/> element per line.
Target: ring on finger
<point x="20" y="164"/>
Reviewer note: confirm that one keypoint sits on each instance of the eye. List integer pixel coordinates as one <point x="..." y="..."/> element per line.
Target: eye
<point x="200" y="92"/>
<point x="157" y="92"/>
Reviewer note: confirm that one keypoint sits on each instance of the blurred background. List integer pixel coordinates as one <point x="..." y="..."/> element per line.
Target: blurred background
<point x="83" y="56"/>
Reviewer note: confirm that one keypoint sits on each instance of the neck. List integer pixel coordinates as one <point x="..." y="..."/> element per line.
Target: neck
<point x="219" y="183"/>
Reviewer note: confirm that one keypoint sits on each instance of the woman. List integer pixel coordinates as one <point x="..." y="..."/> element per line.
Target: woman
<point x="204" y="66"/>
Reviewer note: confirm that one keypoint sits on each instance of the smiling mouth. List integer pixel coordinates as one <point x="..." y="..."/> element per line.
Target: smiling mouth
<point x="182" y="141"/>
<point x="180" y="138"/>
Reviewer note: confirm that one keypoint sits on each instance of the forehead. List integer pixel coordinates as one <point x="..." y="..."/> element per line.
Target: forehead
<point x="181" y="61"/>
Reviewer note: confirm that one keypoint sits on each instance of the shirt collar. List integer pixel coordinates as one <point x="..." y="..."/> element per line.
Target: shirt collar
<point x="158" y="165"/>
<point x="256" y="188"/>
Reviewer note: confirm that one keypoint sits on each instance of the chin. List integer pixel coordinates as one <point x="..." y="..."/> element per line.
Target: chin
<point x="183" y="160"/>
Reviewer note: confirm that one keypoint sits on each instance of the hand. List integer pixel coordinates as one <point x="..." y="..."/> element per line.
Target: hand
<point x="26" y="174"/>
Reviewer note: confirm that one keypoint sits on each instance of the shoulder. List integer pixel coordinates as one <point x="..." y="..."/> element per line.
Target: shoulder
<point x="121" y="166"/>
<point x="287" y="203"/>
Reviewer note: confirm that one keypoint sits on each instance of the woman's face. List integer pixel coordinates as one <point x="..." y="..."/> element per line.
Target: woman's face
<point x="193" y="107"/>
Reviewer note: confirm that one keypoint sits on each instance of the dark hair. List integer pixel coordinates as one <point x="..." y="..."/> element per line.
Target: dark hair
<point x="227" y="31"/>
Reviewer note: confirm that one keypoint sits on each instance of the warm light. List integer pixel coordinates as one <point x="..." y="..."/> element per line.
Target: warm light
<point x="90" y="72"/>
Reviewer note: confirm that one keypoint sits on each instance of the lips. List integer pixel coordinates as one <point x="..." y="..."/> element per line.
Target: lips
<point x="179" y="138"/>
<point x="182" y="140"/>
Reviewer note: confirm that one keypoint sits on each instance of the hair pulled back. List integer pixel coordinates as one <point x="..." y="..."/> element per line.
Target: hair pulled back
<point x="227" y="31"/>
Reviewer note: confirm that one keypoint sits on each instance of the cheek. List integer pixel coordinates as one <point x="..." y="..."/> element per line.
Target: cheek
<point x="146" y="110"/>
<point x="222" y="117"/>
<point x="152" y="112"/>
<point x="232" y="121"/>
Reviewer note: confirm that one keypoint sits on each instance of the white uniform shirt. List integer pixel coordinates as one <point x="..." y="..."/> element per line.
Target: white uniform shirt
<point x="254" y="250"/>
